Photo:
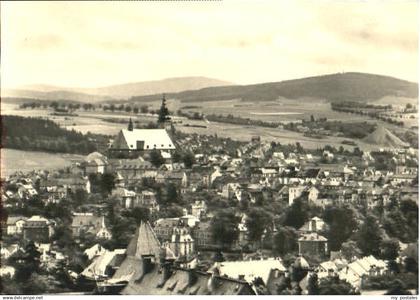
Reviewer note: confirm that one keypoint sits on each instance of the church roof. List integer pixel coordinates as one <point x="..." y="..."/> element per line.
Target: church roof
<point x="144" y="242"/>
<point x="151" y="138"/>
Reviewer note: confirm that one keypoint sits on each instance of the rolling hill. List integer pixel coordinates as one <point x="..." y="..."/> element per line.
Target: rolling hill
<point x="334" y="87"/>
<point x="116" y="92"/>
<point x="57" y="95"/>
<point x="383" y="137"/>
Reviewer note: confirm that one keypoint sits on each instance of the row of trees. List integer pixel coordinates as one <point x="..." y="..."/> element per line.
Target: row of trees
<point x="376" y="114"/>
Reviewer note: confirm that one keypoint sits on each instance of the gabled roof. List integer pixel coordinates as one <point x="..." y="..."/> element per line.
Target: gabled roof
<point x="144" y="242"/>
<point x="13" y="219"/>
<point x="152" y="138"/>
<point x="250" y="269"/>
<point x="312" y="237"/>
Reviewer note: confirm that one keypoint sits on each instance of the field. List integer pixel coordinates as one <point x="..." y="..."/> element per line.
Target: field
<point x="282" y="110"/>
<point x="26" y="161"/>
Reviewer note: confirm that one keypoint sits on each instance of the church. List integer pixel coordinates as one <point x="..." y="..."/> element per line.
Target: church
<point x="136" y="141"/>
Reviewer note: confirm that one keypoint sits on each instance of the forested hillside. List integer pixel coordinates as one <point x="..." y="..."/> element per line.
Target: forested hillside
<point x="43" y="135"/>
<point x="334" y="87"/>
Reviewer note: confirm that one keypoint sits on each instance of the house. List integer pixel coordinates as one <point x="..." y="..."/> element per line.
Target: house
<point x="7" y="271"/>
<point x="9" y="250"/>
<point x="88" y="223"/>
<point x="230" y="190"/>
<point x="95" y="163"/>
<point x="38" y="229"/>
<point x="295" y="191"/>
<point x="14" y="225"/>
<point x="314" y="225"/>
<point x="104" y="265"/>
<point x="203" y="236"/>
<point x="331" y="268"/>
<point x="313" y="244"/>
<point x="249" y="270"/>
<point x="179" y="178"/>
<point x="163" y="228"/>
<point x="147" y="199"/>
<point x="181" y="243"/>
<point x="147" y="270"/>
<point x="327" y="155"/>
<point x="313" y="194"/>
<point x="93" y="251"/>
<point x="355" y="272"/>
<point x="26" y="191"/>
<point x="198" y="209"/>
<point x="125" y="197"/>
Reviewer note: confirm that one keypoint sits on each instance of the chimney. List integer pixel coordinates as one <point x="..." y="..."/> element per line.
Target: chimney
<point x="167" y="271"/>
<point x="147" y="263"/>
<point x="192" y="277"/>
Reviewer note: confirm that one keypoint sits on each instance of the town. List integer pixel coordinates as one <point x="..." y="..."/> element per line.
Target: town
<point x="163" y="212"/>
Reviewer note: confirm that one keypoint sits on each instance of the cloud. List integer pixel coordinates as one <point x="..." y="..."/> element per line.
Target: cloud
<point x="96" y="44"/>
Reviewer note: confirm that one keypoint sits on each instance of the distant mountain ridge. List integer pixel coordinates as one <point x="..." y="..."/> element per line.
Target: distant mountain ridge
<point x="332" y="87"/>
<point x="117" y="92"/>
<point x="53" y="95"/>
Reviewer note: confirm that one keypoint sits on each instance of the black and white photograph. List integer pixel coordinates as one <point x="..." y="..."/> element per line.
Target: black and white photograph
<point x="220" y="147"/>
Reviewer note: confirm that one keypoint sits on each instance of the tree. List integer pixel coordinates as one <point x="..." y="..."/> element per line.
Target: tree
<point x="156" y="158"/>
<point x="411" y="265"/>
<point x="188" y="159"/>
<point x="350" y="250"/>
<point x="144" y="109"/>
<point x="313" y="286"/>
<point x="135" y="110"/>
<point x="397" y="288"/>
<point x="285" y="241"/>
<point x="171" y="193"/>
<point x="257" y="222"/>
<point x="128" y="109"/>
<point x="26" y="263"/>
<point x="369" y="238"/>
<point x="140" y="214"/>
<point x="176" y="156"/>
<point x="341" y="223"/>
<point x="107" y="183"/>
<point x="390" y="249"/>
<point x="297" y="214"/>
<point x="224" y="227"/>
<point x="163" y="112"/>
<point x="171" y="211"/>
<point x="335" y="286"/>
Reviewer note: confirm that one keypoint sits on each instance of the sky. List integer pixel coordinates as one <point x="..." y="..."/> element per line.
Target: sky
<point x="93" y="44"/>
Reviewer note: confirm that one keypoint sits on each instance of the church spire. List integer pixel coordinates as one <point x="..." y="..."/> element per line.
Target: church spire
<point x="130" y="125"/>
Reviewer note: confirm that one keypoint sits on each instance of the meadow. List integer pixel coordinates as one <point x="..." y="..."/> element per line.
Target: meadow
<point x="282" y="110"/>
<point x="25" y="161"/>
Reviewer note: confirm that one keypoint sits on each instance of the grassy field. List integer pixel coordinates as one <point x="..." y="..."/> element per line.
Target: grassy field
<point x="282" y="110"/>
<point x="26" y="161"/>
<point x="278" y="111"/>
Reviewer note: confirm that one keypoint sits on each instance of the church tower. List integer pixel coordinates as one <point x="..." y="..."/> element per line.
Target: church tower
<point x="130" y="125"/>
